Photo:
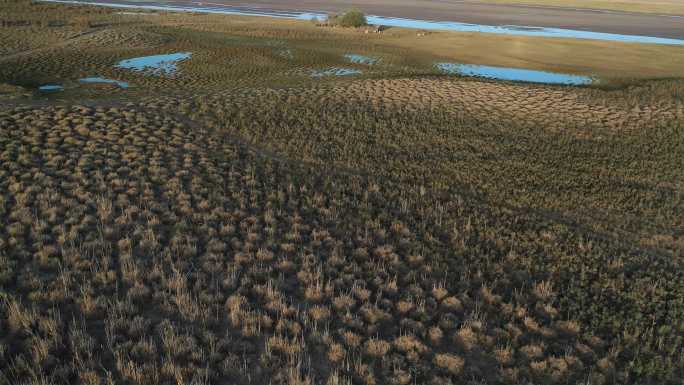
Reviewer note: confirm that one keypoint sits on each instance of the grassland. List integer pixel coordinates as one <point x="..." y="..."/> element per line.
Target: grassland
<point x="240" y="222"/>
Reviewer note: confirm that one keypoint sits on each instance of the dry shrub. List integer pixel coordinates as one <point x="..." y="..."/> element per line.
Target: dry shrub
<point x="343" y="302"/>
<point x="452" y="304"/>
<point x="374" y="315"/>
<point x="538" y="367"/>
<point x="264" y="255"/>
<point x="234" y="304"/>
<point x="570" y="328"/>
<point x="362" y="294"/>
<point x="548" y="310"/>
<point x="452" y="363"/>
<point x="400" y="377"/>
<point x="543" y="290"/>
<point x="376" y="348"/>
<point x="559" y="368"/>
<point x="415" y="260"/>
<point x="466" y="338"/>
<point x="336" y="353"/>
<point x="404" y="307"/>
<point x="503" y="355"/>
<point x="284" y="345"/>
<point x="314" y="293"/>
<point x="351" y="339"/>
<point x="531" y="325"/>
<point x="439" y="292"/>
<point x="487" y="296"/>
<point x="606" y="365"/>
<point x="511" y="376"/>
<point x="337" y="379"/>
<point x="365" y="373"/>
<point x="533" y="351"/>
<point x="18" y="317"/>
<point x="89" y="377"/>
<point x="319" y="313"/>
<point x="409" y="343"/>
<point x="435" y="335"/>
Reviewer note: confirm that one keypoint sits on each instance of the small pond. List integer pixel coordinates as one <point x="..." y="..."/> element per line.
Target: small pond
<point x="98" y="80"/>
<point x="155" y="64"/>
<point x="335" y="71"/>
<point x="51" y="88"/>
<point x="513" y="74"/>
<point x="361" y="59"/>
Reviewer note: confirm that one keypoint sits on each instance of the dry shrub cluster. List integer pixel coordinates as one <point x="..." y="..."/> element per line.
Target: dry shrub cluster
<point x="140" y="247"/>
<point x="585" y="175"/>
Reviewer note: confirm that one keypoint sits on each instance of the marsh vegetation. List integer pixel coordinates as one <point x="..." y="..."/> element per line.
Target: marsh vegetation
<point x="240" y="222"/>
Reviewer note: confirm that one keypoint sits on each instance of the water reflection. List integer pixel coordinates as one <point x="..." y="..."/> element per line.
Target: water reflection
<point x="513" y="74"/>
<point x="155" y="64"/>
<point x="104" y="81"/>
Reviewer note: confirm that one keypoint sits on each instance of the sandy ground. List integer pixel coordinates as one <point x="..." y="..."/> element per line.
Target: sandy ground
<point x="481" y="13"/>
<point x="660" y="7"/>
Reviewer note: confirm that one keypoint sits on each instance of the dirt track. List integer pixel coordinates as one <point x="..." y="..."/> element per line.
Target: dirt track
<point x="469" y="12"/>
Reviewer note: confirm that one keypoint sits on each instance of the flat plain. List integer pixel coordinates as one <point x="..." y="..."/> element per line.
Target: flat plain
<point x="662" y="7"/>
<point x="268" y="211"/>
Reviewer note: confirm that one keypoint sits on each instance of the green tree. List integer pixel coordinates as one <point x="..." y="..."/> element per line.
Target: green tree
<point x="352" y="18"/>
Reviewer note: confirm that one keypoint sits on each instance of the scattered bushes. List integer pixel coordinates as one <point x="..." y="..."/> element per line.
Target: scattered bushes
<point x="145" y="243"/>
<point x="352" y="18"/>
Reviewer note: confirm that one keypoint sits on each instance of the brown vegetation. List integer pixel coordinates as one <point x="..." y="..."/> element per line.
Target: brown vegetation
<point x="398" y="230"/>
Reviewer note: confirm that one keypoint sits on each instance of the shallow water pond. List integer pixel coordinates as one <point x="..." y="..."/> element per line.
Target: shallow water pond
<point x="361" y="59"/>
<point x="98" y="80"/>
<point x="155" y="64"/>
<point x="336" y="71"/>
<point x="513" y="74"/>
<point x="51" y="88"/>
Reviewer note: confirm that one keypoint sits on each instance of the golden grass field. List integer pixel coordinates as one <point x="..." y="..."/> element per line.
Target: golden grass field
<point x="242" y="222"/>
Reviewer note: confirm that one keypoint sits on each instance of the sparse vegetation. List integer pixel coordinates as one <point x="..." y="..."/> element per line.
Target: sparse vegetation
<point x="242" y="223"/>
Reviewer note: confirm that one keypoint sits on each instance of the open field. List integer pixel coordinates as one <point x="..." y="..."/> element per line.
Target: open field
<point x="243" y="221"/>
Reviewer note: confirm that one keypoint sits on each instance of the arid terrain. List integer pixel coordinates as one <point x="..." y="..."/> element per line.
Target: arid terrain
<point x="209" y="199"/>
